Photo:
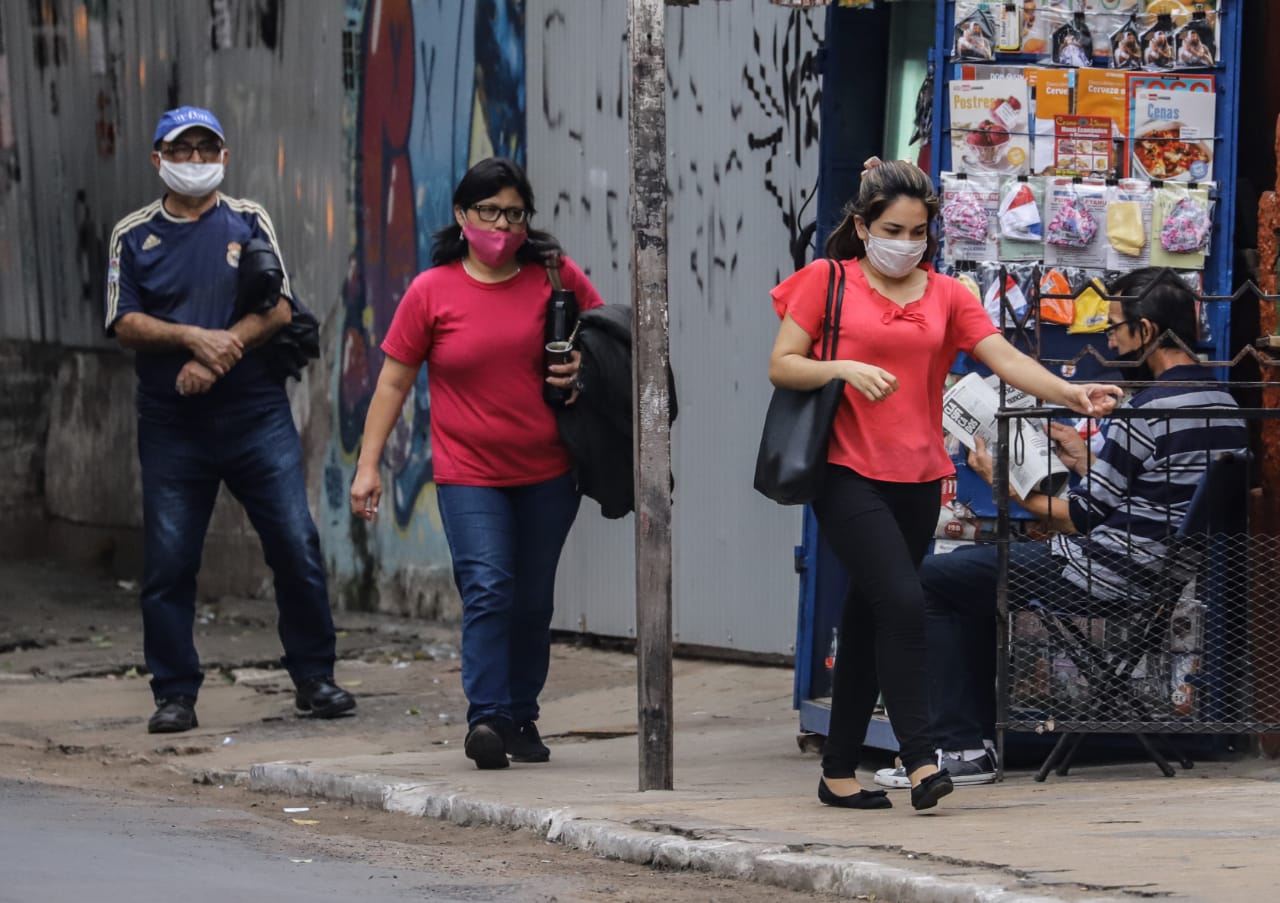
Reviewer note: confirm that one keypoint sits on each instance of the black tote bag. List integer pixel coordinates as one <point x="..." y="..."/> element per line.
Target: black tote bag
<point x="797" y="427"/>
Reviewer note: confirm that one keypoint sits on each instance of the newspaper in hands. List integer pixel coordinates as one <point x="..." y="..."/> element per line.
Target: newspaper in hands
<point x="969" y="411"/>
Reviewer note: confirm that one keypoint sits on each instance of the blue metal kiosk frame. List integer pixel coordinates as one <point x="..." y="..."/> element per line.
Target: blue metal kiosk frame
<point x="856" y="53"/>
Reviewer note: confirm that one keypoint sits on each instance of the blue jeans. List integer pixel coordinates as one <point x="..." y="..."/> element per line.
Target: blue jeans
<point x="257" y="453"/>
<point x="960" y="629"/>
<point x="505" y="542"/>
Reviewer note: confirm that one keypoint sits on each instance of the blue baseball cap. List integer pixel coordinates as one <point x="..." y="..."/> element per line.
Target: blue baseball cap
<point x="174" y="122"/>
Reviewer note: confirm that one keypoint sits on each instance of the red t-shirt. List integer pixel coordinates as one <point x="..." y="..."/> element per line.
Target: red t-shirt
<point x="898" y="440"/>
<point x="482" y="344"/>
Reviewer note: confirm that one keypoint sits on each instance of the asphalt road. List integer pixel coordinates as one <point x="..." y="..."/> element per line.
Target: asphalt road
<point x="59" y="846"/>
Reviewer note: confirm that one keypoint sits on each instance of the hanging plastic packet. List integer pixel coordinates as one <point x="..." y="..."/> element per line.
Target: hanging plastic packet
<point x="1196" y="46"/>
<point x="1072" y="225"/>
<point x="1056" y="304"/>
<point x="969" y="206"/>
<point x="1072" y="43"/>
<point x="1008" y="19"/>
<point x="964" y="217"/>
<point x="975" y="31"/>
<point x="1129" y="204"/>
<point x="969" y="281"/>
<point x="1182" y="217"/>
<point x="1019" y="216"/>
<point x="1158" y="44"/>
<point x="1186" y="227"/>
<point x="1006" y="301"/>
<point x="1091" y="309"/>
<point x="1126" y="46"/>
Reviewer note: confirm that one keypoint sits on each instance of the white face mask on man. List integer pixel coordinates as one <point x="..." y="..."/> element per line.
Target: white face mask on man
<point x="894" y="257"/>
<point x="192" y="179"/>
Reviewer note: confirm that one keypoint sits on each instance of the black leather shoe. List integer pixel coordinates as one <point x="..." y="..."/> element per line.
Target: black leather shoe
<point x="926" y="794"/>
<point x="173" y="716"/>
<point x="863" y="799"/>
<point x="323" y="698"/>
<point x="485" y="745"/>
<point x="525" y="744"/>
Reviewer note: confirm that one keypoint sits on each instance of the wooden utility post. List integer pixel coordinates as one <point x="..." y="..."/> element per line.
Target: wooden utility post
<point x="647" y="134"/>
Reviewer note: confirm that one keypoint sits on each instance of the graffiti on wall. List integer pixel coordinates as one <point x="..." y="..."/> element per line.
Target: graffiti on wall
<point x="743" y="104"/>
<point x="434" y="86"/>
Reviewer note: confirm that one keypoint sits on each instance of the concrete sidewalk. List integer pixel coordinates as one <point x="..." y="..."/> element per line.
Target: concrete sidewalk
<point x="745" y="806"/>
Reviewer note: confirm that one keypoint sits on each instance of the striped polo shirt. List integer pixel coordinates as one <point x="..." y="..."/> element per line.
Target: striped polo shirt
<point x="1136" y="493"/>
<point x="186" y="271"/>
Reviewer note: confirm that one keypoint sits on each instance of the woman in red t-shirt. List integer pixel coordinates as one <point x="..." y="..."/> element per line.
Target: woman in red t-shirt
<point x="506" y="494"/>
<point x="899" y="332"/>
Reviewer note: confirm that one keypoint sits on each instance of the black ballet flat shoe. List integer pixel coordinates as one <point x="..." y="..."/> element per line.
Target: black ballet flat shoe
<point x="863" y="799"/>
<point x="926" y="794"/>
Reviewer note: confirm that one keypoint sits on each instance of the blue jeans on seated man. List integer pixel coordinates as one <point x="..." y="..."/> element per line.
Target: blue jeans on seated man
<point x="505" y="542"/>
<point x="960" y="631"/>
<point x="256" y="452"/>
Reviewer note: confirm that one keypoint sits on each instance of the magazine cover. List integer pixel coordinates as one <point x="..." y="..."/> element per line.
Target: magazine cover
<point x="1171" y="127"/>
<point x="989" y="126"/>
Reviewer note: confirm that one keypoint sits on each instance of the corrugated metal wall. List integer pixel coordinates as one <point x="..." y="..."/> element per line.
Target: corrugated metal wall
<point x="87" y="82"/>
<point x="742" y="135"/>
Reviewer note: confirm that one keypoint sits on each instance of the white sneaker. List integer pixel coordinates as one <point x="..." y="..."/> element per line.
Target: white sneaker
<point x="964" y="772"/>
<point x="893" y="777"/>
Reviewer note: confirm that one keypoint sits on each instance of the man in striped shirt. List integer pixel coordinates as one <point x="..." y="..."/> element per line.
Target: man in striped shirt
<point x="1129" y="499"/>
<point x="210" y="411"/>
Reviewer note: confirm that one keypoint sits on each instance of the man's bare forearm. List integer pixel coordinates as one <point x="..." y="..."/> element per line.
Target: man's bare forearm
<point x="143" y="332"/>
<point x="256" y="329"/>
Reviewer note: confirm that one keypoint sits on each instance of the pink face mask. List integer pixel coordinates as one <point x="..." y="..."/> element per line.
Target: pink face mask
<point x="493" y="247"/>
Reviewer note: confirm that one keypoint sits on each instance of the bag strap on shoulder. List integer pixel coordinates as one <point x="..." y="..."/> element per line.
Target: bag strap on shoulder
<point x="553" y="271"/>
<point x="831" y="319"/>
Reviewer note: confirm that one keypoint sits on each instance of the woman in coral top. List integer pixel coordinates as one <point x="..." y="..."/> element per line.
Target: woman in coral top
<point x="506" y="493"/>
<point x="900" y="330"/>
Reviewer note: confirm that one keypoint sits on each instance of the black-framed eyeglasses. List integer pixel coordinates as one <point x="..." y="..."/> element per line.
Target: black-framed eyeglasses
<point x="489" y="213"/>
<point x="1112" y="327"/>
<point x="181" y="151"/>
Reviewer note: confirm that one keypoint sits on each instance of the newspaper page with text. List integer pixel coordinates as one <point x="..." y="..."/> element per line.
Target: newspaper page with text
<point x="969" y="410"/>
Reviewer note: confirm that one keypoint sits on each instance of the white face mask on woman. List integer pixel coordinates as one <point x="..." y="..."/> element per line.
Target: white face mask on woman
<point x="194" y="180"/>
<point x="894" y="257"/>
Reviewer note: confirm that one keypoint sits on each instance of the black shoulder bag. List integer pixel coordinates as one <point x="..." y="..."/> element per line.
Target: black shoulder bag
<point x="797" y="428"/>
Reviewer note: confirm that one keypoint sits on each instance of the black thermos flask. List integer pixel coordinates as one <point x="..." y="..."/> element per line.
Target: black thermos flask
<point x="562" y="317"/>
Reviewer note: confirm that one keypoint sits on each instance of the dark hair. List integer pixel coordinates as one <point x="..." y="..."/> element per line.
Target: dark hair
<point x="484" y="180"/>
<point x="880" y="187"/>
<point x="1158" y="294"/>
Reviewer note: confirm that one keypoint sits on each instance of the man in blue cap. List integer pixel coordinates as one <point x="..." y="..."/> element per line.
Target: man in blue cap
<point x="210" y="411"/>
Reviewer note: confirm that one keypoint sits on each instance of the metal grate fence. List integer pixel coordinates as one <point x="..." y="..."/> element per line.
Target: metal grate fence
<point x="1169" y="625"/>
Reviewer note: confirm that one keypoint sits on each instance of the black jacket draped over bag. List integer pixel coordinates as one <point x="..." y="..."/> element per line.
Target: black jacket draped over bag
<point x="297" y="343"/>
<point x="596" y="429"/>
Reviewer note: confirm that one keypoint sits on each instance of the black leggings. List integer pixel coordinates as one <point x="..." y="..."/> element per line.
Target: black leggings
<point x="880" y="532"/>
